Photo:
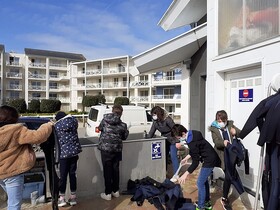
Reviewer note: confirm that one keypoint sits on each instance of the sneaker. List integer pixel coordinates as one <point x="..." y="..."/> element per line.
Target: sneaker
<point x="197" y="208"/>
<point x="61" y="201"/>
<point x="116" y="194"/>
<point x="72" y="201"/>
<point x="208" y="205"/>
<point x="106" y="197"/>
<point x="225" y="204"/>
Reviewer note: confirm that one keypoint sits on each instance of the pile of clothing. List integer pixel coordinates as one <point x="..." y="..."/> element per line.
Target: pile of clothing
<point x="164" y="196"/>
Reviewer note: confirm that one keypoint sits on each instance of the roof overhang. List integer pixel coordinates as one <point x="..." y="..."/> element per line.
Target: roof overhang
<point x="176" y="50"/>
<point x="183" y="12"/>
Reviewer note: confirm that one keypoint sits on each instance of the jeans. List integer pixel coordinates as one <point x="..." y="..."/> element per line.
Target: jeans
<point x="68" y="166"/>
<point x="173" y="154"/>
<point x="13" y="186"/>
<point x="203" y="186"/>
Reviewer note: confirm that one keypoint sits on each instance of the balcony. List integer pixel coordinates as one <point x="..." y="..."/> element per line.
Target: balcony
<point x="141" y="83"/>
<point x="59" y="88"/>
<point x="37" y="87"/>
<point x="37" y="65"/>
<point x="35" y="98"/>
<point x="13" y="75"/>
<point x="166" y="98"/>
<point x="139" y="99"/>
<point x="58" y="66"/>
<point x="114" y="84"/>
<point x="93" y="85"/>
<point x="167" y="80"/>
<point x="59" y="77"/>
<point x="36" y="76"/>
<point x="14" y="87"/>
<point x="13" y="63"/>
<point x="93" y="72"/>
<point x="116" y="70"/>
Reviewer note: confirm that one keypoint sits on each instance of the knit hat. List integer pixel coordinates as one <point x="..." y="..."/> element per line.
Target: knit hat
<point x="60" y="115"/>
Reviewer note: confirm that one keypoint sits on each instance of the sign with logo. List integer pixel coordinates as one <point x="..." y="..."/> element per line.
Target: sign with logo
<point x="156" y="150"/>
<point x="246" y="95"/>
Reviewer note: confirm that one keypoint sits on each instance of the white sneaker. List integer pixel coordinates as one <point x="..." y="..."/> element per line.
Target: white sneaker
<point x="61" y="201"/>
<point x="106" y="197"/>
<point x="116" y="194"/>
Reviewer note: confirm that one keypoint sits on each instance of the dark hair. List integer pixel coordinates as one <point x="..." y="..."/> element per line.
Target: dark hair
<point x="8" y="115"/>
<point x="221" y="115"/>
<point x="159" y="112"/>
<point x="177" y="130"/>
<point x="60" y="115"/>
<point x="117" y="109"/>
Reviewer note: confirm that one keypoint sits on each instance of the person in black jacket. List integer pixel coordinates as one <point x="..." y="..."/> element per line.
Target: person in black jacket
<point x="199" y="150"/>
<point x="163" y="123"/>
<point x="113" y="132"/>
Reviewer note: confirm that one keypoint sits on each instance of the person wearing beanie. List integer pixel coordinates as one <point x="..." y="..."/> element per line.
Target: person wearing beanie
<point x="66" y="128"/>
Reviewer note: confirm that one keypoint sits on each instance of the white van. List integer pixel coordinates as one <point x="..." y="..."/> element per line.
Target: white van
<point x="137" y="118"/>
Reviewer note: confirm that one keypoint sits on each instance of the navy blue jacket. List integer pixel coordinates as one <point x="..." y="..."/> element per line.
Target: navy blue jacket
<point x="66" y="131"/>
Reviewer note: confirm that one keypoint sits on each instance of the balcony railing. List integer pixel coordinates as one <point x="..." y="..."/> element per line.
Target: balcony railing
<point x="58" y="65"/>
<point x="93" y="72"/>
<point x="175" y="96"/>
<point x="93" y="85"/>
<point x="167" y="78"/>
<point x="60" y="88"/>
<point x="13" y="75"/>
<point x="14" y="63"/>
<point x="14" y="87"/>
<point x="139" y="98"/>
<point x="39" y="65"/>
<point x="114" y="84"/>
<point x="59" y="77"/>
<point x="36" y="87"/>
<point x="36" y="76"/>
<point x="114" y="70"/>
<point x="35" y="98"/>
<point x="142" y="83"/>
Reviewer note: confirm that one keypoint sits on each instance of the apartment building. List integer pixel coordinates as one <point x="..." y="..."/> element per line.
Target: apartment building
<point x="112" y="77"/>
<point x="37" y="74"/>
<point x="42" y="74"/>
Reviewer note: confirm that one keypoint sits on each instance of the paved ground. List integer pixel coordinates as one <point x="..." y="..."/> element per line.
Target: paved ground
<point x="124" y="203"/>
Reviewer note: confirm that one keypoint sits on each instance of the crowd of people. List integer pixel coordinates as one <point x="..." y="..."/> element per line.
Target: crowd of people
<point x="17" y="155"/>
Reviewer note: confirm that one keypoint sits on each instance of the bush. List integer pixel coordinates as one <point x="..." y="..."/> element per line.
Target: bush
<point x="50" y="106"/>
<point x="89" y="101"/>
<point x="19" y="104"/>
<point x="121" y="101"/>
<point x="34" y="106"/>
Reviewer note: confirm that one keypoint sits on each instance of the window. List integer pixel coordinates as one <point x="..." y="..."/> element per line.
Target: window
<point x="36" y="95"/>
<point x="170" y="75"/>
<point x="144" y="78"/>
<point x="144" y="93"/>
<point x="53" y="74"/>
<point x="53" y="85"/>
<point x="168" y="93"/>
<point x="246" y="22"/>
<point x="53" y="95"/>
<point x="125" y="93"/>
<point x="14" y="84"/>
<point x="14" y="94"/>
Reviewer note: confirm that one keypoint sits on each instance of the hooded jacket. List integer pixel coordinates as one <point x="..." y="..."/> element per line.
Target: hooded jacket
<point x="219" y="141"/>
<point x="16" y="153"/>
<point x="113" y="132"/>
<point x="201" y="150"/>
<point x="66" y="131"/>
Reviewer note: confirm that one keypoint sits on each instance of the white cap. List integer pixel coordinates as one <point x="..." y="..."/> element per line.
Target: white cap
<point x="275" y="82"/>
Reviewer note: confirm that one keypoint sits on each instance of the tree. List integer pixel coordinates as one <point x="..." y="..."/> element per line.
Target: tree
<point x="34" y="106"/>
<point x="19" y="104"/>
<point x="50" y="106"/>
<point x="121" y="101"/>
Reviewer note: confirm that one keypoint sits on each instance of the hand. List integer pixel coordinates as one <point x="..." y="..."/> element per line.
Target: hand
<point x="178" y="145"/>
<point x="183" y="178"/>
<point x="233" y="131"/>
<point x="226" y="142"/>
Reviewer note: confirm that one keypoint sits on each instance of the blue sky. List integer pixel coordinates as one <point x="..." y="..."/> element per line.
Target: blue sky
<point x="94" y="28"/>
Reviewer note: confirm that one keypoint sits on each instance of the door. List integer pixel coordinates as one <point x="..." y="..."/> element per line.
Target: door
<point x="243" y="94"/>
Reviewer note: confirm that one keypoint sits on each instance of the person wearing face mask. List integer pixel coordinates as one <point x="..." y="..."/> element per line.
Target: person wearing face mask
<point x="223" y="131"/>
<point x="164" y="123"/>
<point x="200" y="150"/>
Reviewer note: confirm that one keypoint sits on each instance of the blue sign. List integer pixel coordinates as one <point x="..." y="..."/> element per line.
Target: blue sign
<point x="156" y="150"/>
<point x="246" y="95"/>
